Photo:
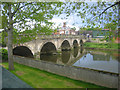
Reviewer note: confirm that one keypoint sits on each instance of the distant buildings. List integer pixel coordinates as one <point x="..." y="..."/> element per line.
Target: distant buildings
<point x="65" y="30"/>
<point x="96" y="33"/>
<point x="100" y="33"/>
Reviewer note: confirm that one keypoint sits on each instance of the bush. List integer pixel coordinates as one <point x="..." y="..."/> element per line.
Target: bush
<point x="3" y="44"/>
<point x="4" y="54"/>
<point x="93" y="39"/>
<point x="102" y="39"/>
<point x="102" y="45"/>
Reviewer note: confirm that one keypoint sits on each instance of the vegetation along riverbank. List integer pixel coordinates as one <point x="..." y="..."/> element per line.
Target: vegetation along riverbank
<point x="102" y="46"/>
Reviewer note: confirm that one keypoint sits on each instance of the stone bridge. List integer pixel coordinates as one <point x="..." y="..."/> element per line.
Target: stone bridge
<point x="48" y="44"/>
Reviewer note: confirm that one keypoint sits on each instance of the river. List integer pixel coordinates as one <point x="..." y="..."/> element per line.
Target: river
<point x="94" y="59"/>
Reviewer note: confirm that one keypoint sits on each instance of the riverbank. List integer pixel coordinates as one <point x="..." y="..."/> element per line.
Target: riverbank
<point x="9" y="80"/>
<point x="42" y="79"/>
<point x="102" y="46"/>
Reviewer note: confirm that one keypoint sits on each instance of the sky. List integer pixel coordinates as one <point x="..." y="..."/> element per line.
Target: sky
<point x="74" y="19"/>
<point x="59" y="22"/>
<point x="69" y="22"/>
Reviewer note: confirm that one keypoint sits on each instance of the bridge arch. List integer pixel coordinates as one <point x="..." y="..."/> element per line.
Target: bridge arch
<point x="65" y="45"/>
<point x="23" y="51"/>
<point x="48" y="48"/>
<point x="75" y="43"/>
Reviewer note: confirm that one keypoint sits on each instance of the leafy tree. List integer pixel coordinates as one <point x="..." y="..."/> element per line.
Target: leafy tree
<point x="94" y="13"/>
<point x="3" y="20"/>
<point x="18" y="14"/>
<point x="4" y="54"/>
<point x="91" y="29"/>
<point x="4" y="38"/>
<point x="0" y="23"/>
<point x="111" y="26"/>
<point x="73" y="28"/>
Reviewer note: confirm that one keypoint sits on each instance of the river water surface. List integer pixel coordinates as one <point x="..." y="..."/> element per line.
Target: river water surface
<point x="93" y="59"/>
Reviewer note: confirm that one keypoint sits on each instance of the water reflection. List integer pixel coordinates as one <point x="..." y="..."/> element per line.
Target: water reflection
<point x="100" y="56"/>
<point x="116" y="55"/>
<point x="65" y="56"/>
<point x="94" y="59"/>
<point x="81" y="50"/>
<point x="75" y="52"/>
<point x="48" y="57"/>
<point x="98" y="60"/>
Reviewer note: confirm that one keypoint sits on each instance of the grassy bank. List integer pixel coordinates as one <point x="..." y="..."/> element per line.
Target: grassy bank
<point x="42" y="79"/>
<point x="102" y="45"/>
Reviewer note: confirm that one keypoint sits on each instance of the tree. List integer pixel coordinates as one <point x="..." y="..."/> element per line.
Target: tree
<point x="73" y="28"/>
<point x="20" y="13"/>
<point x="112" y="30"/>
<point x="111" y="26"/>
<point x="94" y="13"/>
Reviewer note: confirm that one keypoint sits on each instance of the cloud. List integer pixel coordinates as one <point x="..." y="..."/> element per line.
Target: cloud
<point x="59" y="23"/>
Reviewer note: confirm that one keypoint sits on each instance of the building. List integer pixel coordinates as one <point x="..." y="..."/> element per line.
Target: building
<point x="65" y="30"/>
<point x="100" y="33"/>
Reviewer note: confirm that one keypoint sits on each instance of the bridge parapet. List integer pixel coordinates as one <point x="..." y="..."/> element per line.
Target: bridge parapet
<point x="58" y="36"/>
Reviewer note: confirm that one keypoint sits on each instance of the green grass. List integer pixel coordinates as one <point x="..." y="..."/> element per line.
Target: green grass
<point x="42" y="79"/>
<point x="102" y="45"/>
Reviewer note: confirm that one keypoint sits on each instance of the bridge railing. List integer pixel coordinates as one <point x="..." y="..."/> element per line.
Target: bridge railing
<point x="59" y="36"/>
<point x="53" y="37"/>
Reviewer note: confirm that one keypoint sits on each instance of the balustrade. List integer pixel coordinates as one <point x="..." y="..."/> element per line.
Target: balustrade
<point x="59" y="36"/>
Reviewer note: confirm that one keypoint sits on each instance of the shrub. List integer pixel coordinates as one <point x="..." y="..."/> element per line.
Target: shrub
<point x="4" y="54"/>
<point x="93" y="39"/>
<point x="3" y="44"/>
<point x="102" y="39"/>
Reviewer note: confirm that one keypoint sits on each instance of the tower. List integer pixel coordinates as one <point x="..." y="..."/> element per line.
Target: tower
<point x="64" y="24"/>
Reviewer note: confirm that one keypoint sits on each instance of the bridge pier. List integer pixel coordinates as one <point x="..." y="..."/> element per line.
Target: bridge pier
<point x="37" y="56"/>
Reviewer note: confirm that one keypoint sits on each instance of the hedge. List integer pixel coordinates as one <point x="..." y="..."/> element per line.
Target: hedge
<point x="4" y="54"/>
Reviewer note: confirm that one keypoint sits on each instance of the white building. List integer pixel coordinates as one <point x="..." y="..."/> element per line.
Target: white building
<point x="65" y="30"/>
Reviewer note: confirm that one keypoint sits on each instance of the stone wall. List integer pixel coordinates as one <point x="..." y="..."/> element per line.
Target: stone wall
<point x="92" y="76"/>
